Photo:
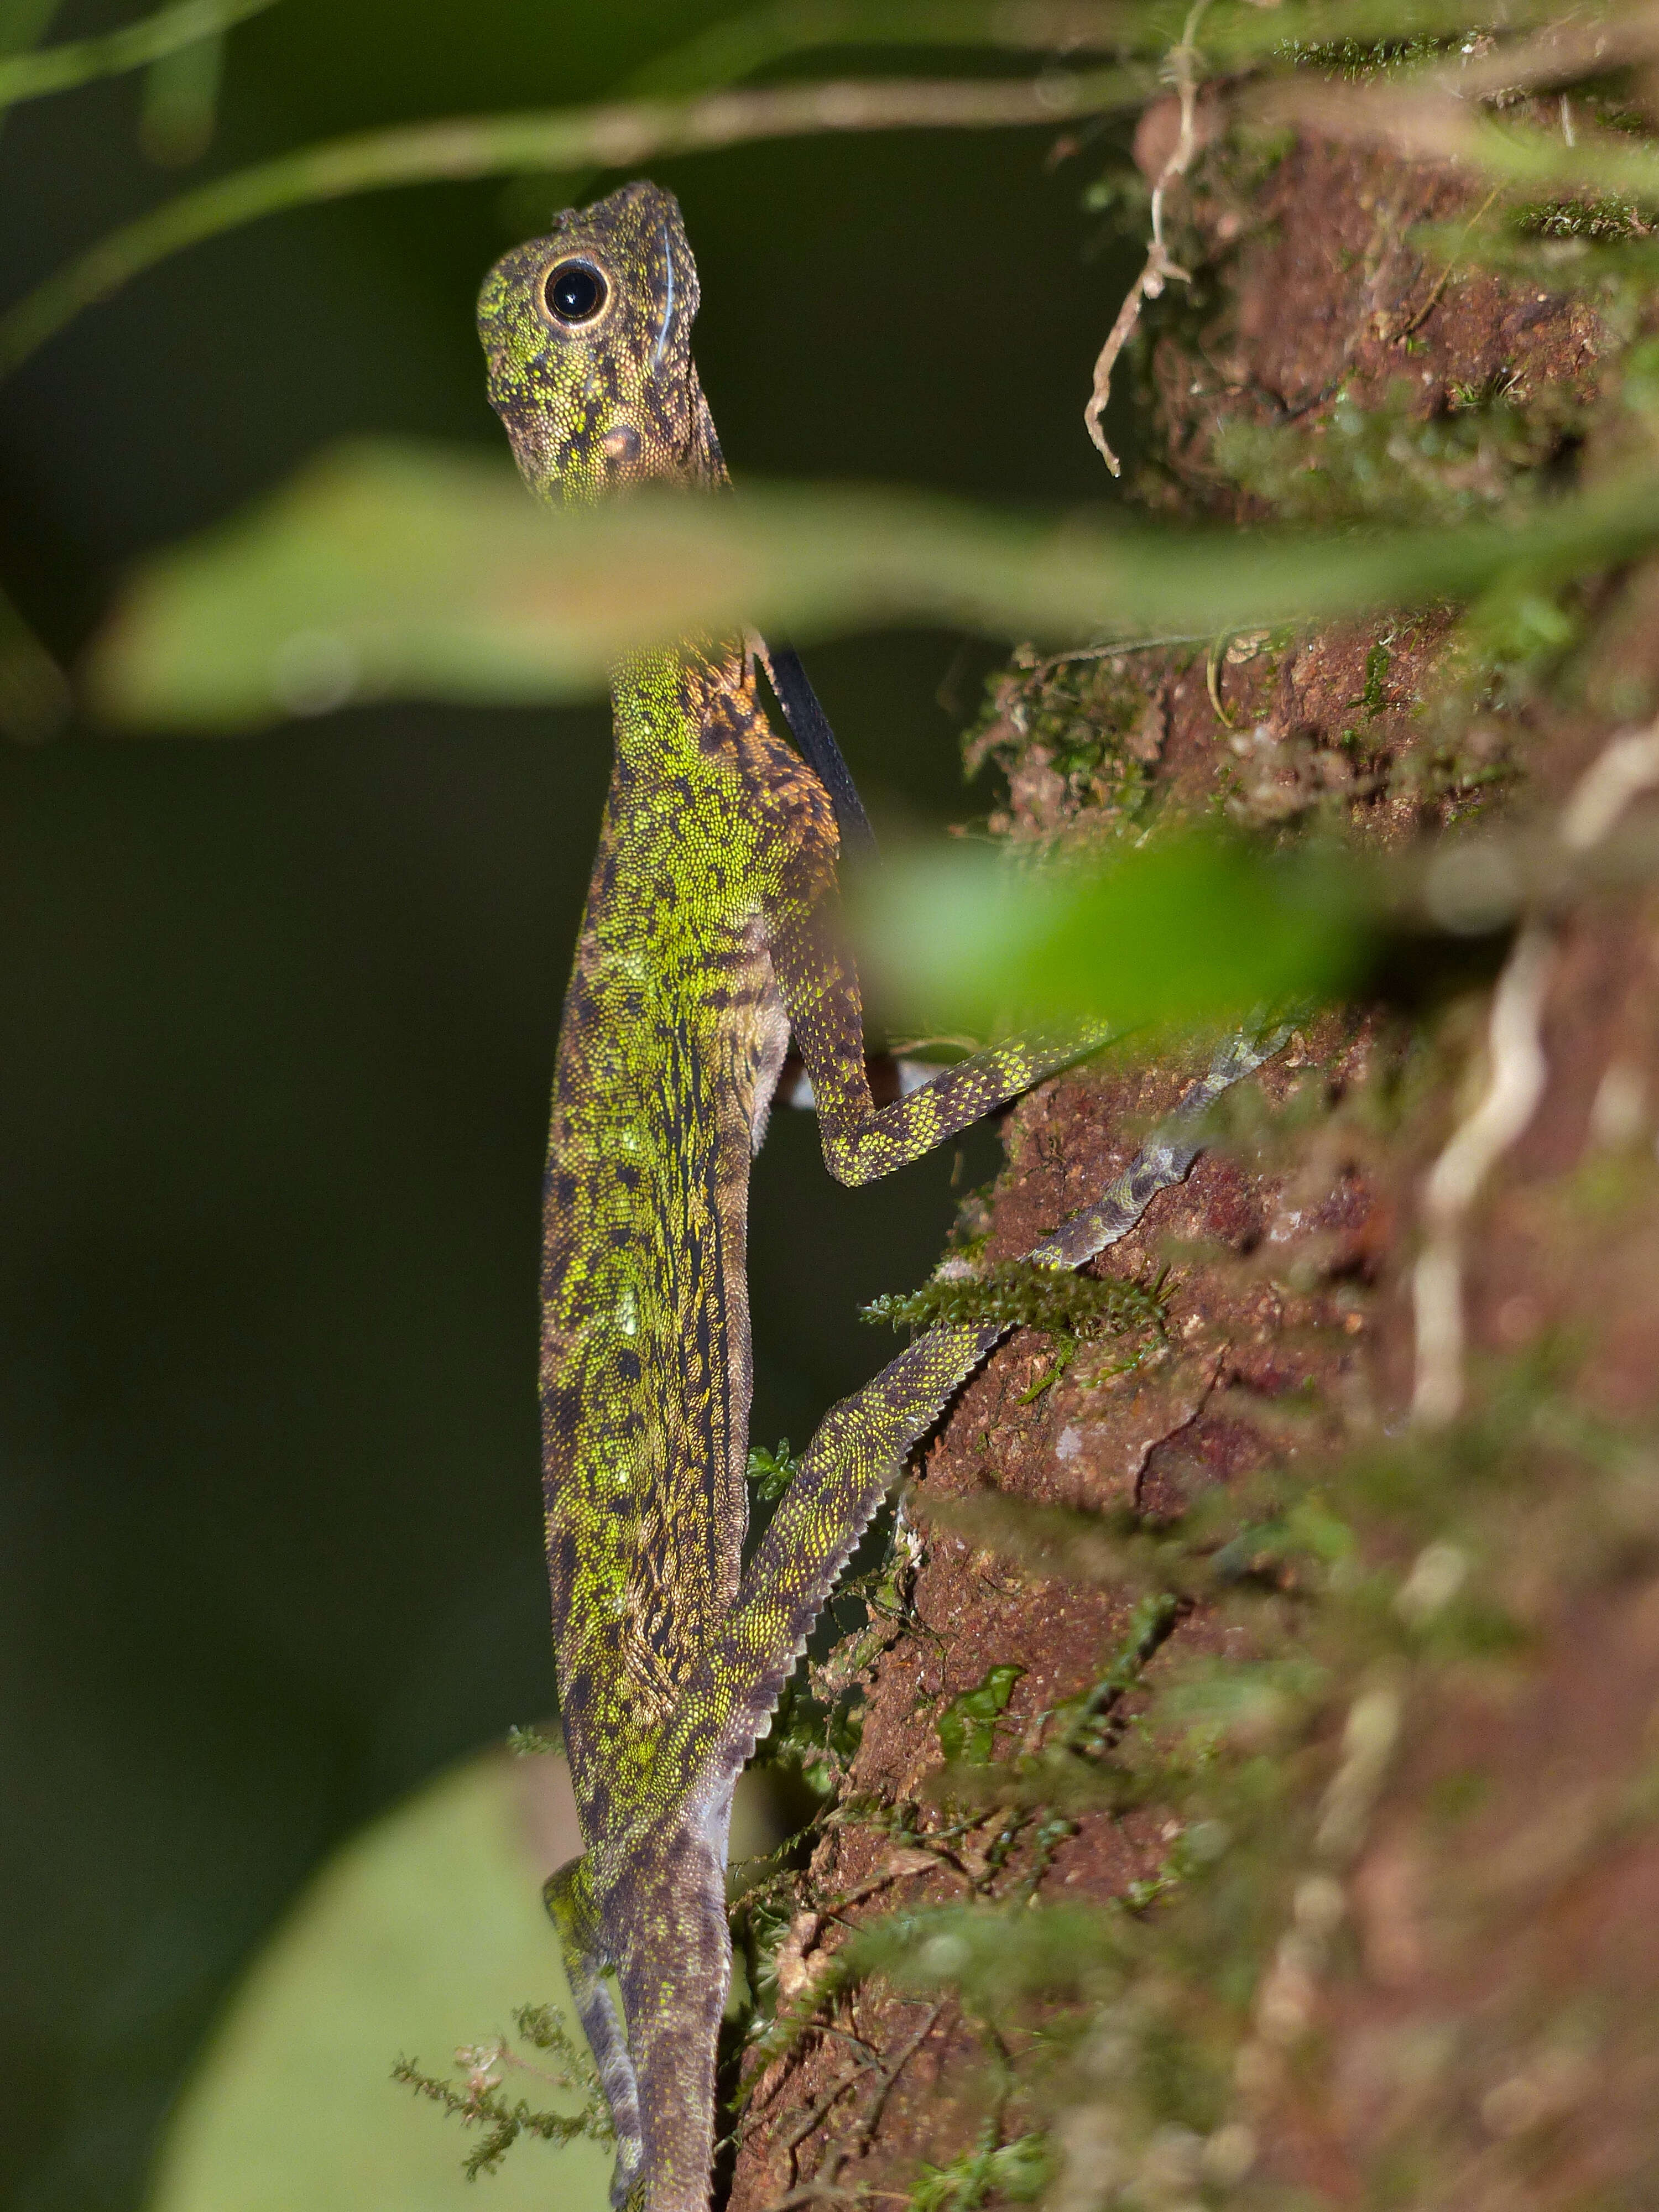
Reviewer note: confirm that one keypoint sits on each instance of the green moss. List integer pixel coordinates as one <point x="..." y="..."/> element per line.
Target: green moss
<point x="1018" y="2171"/>
<point x="1024" y="1294"/>
<point x="968" y="1726"/>
<point x="1087" y="717"/>
<point x="533" y="1743"/>
<point x="1493" y="443"/>
<point x="1357" y="58"/>
<point x="1374" y="696"/>
<point x="474" y="2096"/>
<point x="1598" y="219"/>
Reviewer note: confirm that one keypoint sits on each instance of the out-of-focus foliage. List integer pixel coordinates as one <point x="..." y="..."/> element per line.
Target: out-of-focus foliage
<point x="188" y="25"/>
<point x="627" y="132"/>
<point x="1190" y="928"/>
<point x="423" y="1935"/>
<point x="386" y="569"/>
<point x="1374" y="1608"/>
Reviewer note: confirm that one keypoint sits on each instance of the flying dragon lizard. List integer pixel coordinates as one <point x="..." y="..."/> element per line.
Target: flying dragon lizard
<point x="708" y="942"/>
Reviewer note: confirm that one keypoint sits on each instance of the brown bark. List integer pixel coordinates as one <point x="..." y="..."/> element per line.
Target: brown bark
<point x="1429" y="1978"/>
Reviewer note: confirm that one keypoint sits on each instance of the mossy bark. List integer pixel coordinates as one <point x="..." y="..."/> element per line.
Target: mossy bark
<point x="1289" y="1840"/>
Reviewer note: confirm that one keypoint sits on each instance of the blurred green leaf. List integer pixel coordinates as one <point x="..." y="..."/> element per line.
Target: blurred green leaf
<point x="181" y="104"/>
<point x="385" y="568"/>
<point x="424" y="1932"/>
<point x="1190" y="930"/>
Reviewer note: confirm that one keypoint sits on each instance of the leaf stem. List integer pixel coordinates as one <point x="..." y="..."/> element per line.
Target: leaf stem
<point x="614" y="135"/>
<point x="78" y="61"/>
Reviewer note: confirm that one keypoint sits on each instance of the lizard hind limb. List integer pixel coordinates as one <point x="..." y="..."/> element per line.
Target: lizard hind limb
<point x="849" y="1466"/>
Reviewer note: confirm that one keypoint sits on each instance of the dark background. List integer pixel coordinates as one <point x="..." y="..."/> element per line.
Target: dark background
<point x="278" y="1015"/>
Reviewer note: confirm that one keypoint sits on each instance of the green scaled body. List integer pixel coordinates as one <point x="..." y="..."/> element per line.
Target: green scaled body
<point x="708" y="941"/>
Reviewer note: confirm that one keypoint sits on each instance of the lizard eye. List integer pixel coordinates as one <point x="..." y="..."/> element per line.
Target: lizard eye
<point x="574" y="291"/>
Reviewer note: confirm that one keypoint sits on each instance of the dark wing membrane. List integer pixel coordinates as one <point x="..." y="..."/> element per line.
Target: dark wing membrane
<point x="810" y="727"/>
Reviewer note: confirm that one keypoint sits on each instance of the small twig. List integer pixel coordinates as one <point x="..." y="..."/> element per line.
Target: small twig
<point x="1288" y="1993"/>
<point x="1158" y="267"/>
<point x="872" y="2056"/>
<point x="858" y="2138"/>
<point x="759" y="38"/>
<point x="1516" y="1083"/>
<point x="1620" y="772"/>
<point x="919" y="1859"/>
<point x="890" y="2072"/>
<point x="819" y="2111"/>
<point x="1112" y="649"/>
<point x="611" y="134"/>
<point x="1212" y="661"/>
<point x="1627" y="767"/>
<point x="1405" y="330"/>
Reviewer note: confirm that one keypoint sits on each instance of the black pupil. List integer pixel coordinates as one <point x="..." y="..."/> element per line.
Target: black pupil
<point x="575" y="293"/>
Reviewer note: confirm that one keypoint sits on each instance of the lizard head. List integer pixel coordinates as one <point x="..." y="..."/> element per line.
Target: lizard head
<point x="588" y="337"/>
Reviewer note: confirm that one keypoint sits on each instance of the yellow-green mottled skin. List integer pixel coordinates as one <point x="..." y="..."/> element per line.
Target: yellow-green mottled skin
<point x="708" y="939"/>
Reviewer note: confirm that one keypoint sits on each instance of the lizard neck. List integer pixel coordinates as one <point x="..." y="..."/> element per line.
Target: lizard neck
<point x="679" y="705"/>
<point x="681" y="711"/>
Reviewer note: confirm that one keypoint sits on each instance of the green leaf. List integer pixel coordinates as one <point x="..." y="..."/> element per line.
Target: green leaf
<point x="967" y="1727"/>
<point x="424" y="1932"/>
<point x="385" y="568"/>
<point x="1193" y="929"/>
<point x="771" y="1473"/>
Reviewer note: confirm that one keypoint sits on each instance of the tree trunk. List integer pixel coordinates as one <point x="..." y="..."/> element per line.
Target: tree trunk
<point x="1295" y="1844"/>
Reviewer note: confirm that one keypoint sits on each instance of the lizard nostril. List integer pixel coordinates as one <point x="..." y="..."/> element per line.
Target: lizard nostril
<point x="576" y="291"/>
